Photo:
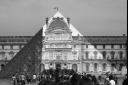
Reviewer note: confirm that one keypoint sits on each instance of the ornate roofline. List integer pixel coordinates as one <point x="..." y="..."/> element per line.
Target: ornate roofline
<point x="86" y="39"/>
<point x="15" y="37"/>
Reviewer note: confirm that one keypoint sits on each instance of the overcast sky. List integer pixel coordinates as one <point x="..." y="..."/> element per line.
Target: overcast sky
<point x="90" y="17"/>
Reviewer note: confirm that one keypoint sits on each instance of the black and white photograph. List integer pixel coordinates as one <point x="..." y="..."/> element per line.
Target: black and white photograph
<point x="63" y="42"/>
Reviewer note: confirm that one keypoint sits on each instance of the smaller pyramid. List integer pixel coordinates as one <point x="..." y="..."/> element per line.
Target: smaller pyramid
<point x="75" y="32"/>
<point x="27" y="60"/>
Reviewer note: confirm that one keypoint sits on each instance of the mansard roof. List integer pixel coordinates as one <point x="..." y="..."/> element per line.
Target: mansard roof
<point x="103" y="39"/>
<point x="107" y="39"/>
<point x="86" y="39"/>
<point x="14" y="39"/>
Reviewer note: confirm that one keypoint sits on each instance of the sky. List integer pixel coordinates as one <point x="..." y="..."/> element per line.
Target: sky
<point x="90" y="17"/>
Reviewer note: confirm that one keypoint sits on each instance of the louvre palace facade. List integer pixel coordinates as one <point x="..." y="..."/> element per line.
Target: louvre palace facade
<point x="65" y="47"/>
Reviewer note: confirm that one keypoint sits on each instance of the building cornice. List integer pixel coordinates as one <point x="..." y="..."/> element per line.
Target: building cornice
<point x="85" y="39"/>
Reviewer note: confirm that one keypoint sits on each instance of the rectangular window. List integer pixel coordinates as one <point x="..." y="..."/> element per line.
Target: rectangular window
<point x="91" y="47"/>
<point x="15" y="46"/>
<point x="7" y="47"/>
<point x="116" y="46"/>
<point x="108" y="46"/>
<point x="99" y="46"/>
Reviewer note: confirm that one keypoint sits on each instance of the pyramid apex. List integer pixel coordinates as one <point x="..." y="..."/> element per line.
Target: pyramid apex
<point x="58" y="14"/>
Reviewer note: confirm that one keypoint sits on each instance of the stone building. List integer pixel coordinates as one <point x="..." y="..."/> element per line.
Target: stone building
<point x="65" y="47"/>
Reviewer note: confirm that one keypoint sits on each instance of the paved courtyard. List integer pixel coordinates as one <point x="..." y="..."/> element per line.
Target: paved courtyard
<point x="8" y="82"/>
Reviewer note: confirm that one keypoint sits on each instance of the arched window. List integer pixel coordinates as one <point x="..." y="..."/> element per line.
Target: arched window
<point x="74" y="67"/>
<point x="2" y="66"/>
<point x="108" y="55"/>
<point x="95" y="54"/>
<point x="104" y="66"/>
<point x="112" y="67"/>
<point x="99" y="56"/>
<point x="112" y="54"/>
<point x="91" y="55"/>
<point x="104" y="54"/>
<point x="87" y="67"/>
<point x="120" y="67"/>
<point x="95" y="67"/>
<point x="11" y="54"/>
<point x="3" y="54"/>
<point x="117" y="56"/>
<point x="121" y="55"/>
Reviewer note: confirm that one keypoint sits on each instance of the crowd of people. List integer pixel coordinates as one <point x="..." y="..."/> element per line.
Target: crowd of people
<point x="66" y="77"/>
<point x="22" y="79"/>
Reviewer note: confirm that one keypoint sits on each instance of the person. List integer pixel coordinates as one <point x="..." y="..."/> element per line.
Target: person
<point x="14" y="79"/>
<point x="112" y="82"/>
<point x="99" y="80"/>
<point x="34" y="78"/>
<point x="96" y="82"/>
<point x="106" y="81"/>
<point x="28" y="78"/>
<point x="125" y="80"/>
<point x="18" y="78"/>
<point x="22" y="79"/>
